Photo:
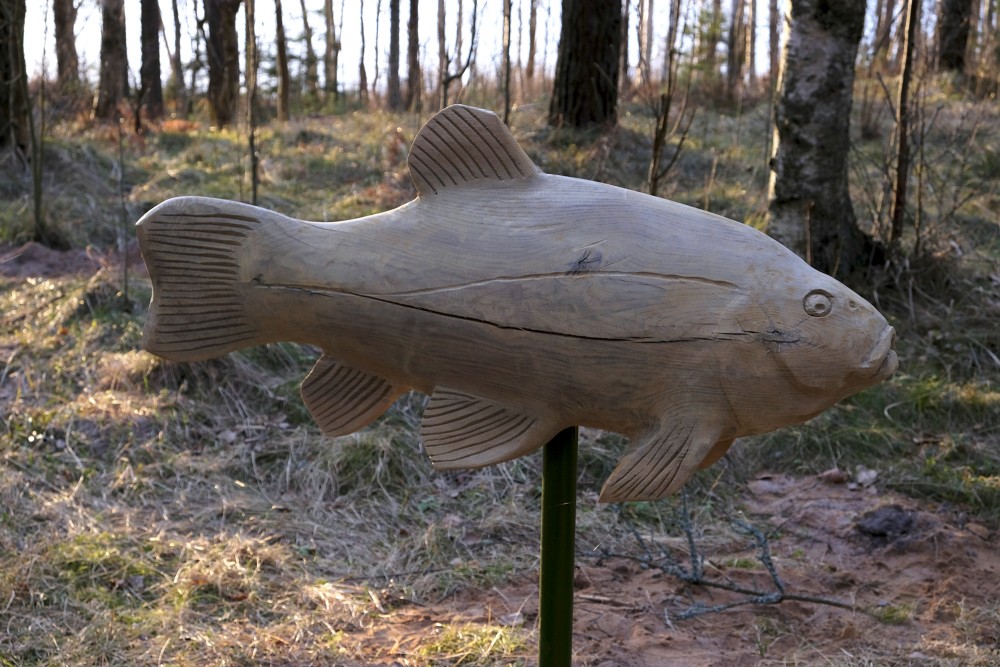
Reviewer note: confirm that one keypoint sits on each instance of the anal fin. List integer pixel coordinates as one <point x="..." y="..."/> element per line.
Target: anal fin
<point x="464" y="431"/>
<point x="659" y="463"/>
<point x="343" y="399"/>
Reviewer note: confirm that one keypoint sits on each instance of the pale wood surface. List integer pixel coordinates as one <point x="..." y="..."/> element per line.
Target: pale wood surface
<point x="523" y="303"/>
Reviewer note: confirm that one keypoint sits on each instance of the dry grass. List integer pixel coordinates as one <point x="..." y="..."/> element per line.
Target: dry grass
<point x="154" y="513"/>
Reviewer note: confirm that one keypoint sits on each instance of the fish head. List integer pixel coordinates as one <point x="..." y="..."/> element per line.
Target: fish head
<point x="821" y="342"/>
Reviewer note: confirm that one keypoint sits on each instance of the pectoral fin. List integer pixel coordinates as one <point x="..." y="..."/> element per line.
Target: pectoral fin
<point x="343" y="399"/>
<point x="464" y="431"/>
<point x="718" y="450"/>
<point x="659" y="463"/>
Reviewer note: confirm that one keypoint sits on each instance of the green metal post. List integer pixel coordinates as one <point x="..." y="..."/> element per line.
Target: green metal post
<point x="555" y="604"/>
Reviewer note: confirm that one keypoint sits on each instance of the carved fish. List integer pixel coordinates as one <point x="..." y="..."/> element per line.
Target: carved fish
<point x="522" y="303"/>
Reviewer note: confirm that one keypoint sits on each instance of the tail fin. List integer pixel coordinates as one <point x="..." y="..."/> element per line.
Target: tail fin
<point x="192" y="248"/>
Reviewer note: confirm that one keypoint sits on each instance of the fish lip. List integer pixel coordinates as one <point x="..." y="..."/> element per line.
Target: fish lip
<point x="882" y="357"/>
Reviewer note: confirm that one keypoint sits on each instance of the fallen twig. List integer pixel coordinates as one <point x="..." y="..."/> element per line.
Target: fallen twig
<point x="695" y="573"/>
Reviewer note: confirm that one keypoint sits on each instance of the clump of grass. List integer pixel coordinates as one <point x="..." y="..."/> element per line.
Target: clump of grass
<point x="474" y="644"/>
<point x="925" y="435"/>
<point x="893" y="614"/>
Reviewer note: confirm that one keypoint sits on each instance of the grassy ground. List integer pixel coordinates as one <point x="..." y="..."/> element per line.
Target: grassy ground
<point x="155" y="513"/>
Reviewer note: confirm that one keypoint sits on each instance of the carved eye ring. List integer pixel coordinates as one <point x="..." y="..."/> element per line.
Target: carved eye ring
<point x="818" y="303"/>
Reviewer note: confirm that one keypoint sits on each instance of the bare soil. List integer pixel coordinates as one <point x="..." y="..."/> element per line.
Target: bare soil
<point x="924" y="583"/>
<point x="34" y="260"/>
<point x="921" y="581"/>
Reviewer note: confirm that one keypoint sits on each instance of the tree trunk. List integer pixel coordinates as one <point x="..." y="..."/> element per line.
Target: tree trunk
<point x="750" y="33"/>
<point x="458" y="29"/>
<point x="972" y="43"/>
<point x="446" y="76"/>
<point x="529" y="71"/>
<point x="362" y="73"/>
<point x="15" y="129"/>
<point x="884" y="14"/>
<point x="670" y="52"/>
<point x="284" y="78"/>
<point x="414" y="83"/>
<point x="903" y="125"/>
<point x="736" y="50"/>
<point x="114" y="65"/>
<point x="312" y="61"/>
<point x="954" y="17"/>
<point x="624" y="80"/>
<point x="394" y="97"/>
<point x="175" y="85"/>
<point x="921" y="41"/>
<point x="506" y="61"/>
<point x="657" y="172"/>
<point x="710" y="35"/>
<point x="331" y="52"/>
<point x="773" y="39"/>
<point x="223" y="59"/>
<point x="251" y="80"/>
<point x="150" y="86"/>
<point x="442" y="58"/>
<point x="199" y="39"/>
<point x="67" y="62"/>
<point x="810" y="206"/>
<point x="585" y="91"/>
<point x="644" y="21"/>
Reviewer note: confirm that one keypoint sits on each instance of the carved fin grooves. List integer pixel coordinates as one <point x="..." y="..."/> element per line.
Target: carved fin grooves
<point x="658" y="465"/>
<point x="464" y="431"/>
<point x="343" y="399"/>
<point x="461" y="145"/>
<point x="192" y="252"/>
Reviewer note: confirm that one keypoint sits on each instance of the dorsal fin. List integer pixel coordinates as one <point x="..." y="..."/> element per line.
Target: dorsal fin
<point x="461" y="145"/>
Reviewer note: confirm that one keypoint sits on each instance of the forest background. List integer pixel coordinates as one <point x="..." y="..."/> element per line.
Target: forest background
<point x="157" y="513"/>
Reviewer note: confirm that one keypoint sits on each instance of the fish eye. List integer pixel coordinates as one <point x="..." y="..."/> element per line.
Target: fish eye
<point x="818" y="303"/>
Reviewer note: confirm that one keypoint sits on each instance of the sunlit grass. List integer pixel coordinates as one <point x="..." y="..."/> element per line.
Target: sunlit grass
<point x="474" y="644"/>
<point x="189" y="514"/>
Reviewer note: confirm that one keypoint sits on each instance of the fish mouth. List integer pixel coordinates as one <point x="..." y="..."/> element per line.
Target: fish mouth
<point x="882" y="358"/>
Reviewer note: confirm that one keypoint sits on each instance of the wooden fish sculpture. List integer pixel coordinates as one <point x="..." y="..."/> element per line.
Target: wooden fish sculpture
<point x="522" y="303"/>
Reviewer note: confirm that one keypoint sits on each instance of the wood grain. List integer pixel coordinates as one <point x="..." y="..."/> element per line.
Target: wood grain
<point x="523" y="303"/>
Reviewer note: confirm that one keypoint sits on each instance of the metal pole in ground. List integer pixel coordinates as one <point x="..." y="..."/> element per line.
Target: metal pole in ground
<point x="555" y="605"/>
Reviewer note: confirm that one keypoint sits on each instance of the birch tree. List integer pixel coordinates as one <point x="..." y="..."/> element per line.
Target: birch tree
<point x="809" y="204"/>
